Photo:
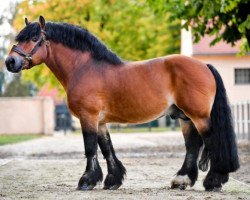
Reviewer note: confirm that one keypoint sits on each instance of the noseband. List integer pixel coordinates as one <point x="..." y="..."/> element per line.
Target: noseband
<point x="28" y="56"/>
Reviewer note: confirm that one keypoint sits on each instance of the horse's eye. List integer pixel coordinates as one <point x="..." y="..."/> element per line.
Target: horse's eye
<point x="34" y="39"/>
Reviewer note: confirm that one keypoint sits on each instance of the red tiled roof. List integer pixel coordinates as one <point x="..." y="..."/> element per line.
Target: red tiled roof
<point x="203" y="47"/>
<point x="46" y="91"/>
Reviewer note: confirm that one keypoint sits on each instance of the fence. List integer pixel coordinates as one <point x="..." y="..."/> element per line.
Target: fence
<point x="241" y="118"/>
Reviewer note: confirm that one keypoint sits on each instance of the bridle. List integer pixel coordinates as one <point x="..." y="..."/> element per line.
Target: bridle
<point x="28" y="56"/>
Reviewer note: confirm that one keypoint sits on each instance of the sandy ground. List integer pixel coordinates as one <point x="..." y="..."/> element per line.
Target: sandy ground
<point x="49" y="168"/>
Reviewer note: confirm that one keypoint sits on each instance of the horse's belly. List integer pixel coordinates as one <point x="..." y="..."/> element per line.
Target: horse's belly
<point x="136" y="114"/>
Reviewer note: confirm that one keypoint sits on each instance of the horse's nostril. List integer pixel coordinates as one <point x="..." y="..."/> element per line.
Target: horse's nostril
<point x="10" y="62"/>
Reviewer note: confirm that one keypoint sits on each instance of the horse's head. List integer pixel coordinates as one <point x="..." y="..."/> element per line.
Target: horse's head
<point x="31" y="49"/>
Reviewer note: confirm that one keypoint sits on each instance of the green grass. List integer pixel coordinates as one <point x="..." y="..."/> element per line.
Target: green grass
<point x="10" y="139"/>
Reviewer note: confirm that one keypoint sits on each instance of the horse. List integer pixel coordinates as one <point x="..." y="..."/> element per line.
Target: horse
<point x="102" y="88"/>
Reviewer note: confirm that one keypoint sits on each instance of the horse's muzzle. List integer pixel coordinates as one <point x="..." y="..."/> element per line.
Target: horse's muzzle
<point x="13" y="64"/>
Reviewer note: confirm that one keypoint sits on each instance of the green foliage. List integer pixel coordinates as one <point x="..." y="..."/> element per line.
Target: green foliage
<point x="6" y="37"/>
<point x="6" y="18"/>
<point x="129" y="28"/>
<point x="18" y="88"/>
<point x="227" y="20"/>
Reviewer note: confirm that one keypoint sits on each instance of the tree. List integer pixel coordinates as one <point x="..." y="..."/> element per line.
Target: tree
<point x="6" y="33"/>
<point x="6" y="37"/>
<point x="227" y="20"/>
<point x="18" y="88"/>
<point x="129" y="28"/>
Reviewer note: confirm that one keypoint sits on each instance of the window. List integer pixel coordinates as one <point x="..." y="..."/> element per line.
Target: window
<point x="242" y="76"/>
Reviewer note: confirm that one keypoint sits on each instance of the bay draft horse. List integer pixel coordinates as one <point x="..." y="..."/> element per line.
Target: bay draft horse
<point x="101" y="88"/>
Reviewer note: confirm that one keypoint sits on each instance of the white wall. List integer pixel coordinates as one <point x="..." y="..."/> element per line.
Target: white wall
<point x="226" y="65"/>
<point x="186" y="42"/>
<point x="26" y="115"/>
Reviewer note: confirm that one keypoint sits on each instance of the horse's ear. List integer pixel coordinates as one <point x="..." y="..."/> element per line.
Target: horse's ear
<point x="26" y="21"/>
<point x="42" y="22"/>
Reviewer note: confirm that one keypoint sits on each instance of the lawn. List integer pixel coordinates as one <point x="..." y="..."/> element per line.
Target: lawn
<point x="9" y="139"/>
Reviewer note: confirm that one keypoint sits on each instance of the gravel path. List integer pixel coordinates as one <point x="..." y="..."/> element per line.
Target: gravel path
<point x="73" y="144"/>
<point x="49" y="168"/>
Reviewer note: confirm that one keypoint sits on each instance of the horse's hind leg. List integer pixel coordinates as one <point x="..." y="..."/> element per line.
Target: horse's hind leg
<point x="116" y="170"/>
<point x="188" y="173"/>
<point x="218" y="174"/>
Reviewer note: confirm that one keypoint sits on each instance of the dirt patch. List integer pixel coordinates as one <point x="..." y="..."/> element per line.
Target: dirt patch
<point x="243" y="174"/>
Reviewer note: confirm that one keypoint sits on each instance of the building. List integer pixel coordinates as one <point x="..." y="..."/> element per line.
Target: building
<point x="61" y="110"/>
<point x="234" y="69"/>
<point x="47" y="91"/>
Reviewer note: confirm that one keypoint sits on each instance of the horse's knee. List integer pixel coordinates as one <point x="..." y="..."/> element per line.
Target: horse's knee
<point x="202" y="125"/>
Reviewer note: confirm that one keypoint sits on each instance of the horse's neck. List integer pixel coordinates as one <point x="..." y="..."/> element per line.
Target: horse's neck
<point x="63" y="62"/>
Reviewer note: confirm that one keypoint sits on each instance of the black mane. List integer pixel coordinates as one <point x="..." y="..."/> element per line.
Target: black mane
<point x="73" y="37"/>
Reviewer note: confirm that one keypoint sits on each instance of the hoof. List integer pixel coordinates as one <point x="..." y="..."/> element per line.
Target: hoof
<point x="214" y="181"/>
<point x="182" y="187"/>
<point x="89" y="180"/>
<point x="85" y="187"/>
<point x="113" y="187"/>
<point x="180" y="182"/>
<point x="112" y="182"/>
<point x="215" y="189"/>
<point x="177" y="186"/>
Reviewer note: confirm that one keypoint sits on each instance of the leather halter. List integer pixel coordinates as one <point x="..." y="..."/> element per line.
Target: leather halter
<point x="28" y="56"/>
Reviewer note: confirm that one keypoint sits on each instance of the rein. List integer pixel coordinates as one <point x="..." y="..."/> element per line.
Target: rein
<point x="28" y="56"/>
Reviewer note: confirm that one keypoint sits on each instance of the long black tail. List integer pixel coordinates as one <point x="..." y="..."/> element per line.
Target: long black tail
<point x="225" y="155"/>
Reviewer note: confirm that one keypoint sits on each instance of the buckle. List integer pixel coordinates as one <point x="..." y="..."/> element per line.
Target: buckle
<point x="47" y="43"/>
<point x="29" y="58"/>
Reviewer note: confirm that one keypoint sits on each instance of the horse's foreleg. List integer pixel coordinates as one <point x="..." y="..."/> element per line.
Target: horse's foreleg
<point x="93" y="172"/>
<point x="116" y="170"/>
<point x="188" y="173"/>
